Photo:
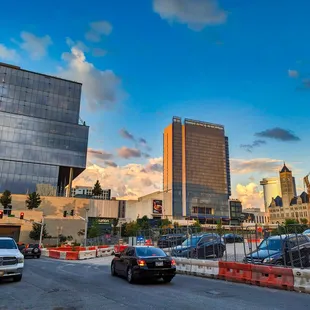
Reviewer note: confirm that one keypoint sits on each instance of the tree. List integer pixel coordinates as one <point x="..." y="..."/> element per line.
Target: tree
<point x="94" y="230"/>
<point x="35" y="232"/>
<point x="97" y="190"/>
<point x="219" y="228"/>
<point x="114" y="224"/>
<point x="130" y="229"/>
<point x="6" y="198"/>
<point x="304" y="221"/>
<point x="33" y="201"/>
<point x="196" y="227"/>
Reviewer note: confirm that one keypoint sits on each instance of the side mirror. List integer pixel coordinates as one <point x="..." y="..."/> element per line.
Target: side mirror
<point x="117" y="254"/>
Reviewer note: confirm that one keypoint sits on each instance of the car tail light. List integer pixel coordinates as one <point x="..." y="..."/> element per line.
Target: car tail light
<point x="173" y="263"/>
<point x="141" y="262"/>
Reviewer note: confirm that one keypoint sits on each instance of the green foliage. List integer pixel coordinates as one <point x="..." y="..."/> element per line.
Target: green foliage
<point x="33" y="201"/>
<point x="114" y="224"/>
<point x="81" y="232"/>
<point x="97" y="190"/>
<point x="35" y="232"/>
<point x="94" y="230"/>
<point x="6" y="198"/>
<point x="143" y="223"/>
<point x="130" y="229"/>
<point x="62" y="238"/>
<point x="69" y="238"/>
<point x="304" y="221"/>
<point x="219" y="228"/>
<point x="196" y="227"/>
<point x="291" y="226"/>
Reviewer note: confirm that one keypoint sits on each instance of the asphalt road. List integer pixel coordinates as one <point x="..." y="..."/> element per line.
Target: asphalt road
<point x="62" y="285"/>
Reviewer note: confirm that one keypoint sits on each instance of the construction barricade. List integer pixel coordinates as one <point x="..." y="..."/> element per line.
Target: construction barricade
<point x="236" y="272"/>
<point x="205" y="268"/>
<point x="105" y="251"/>
<point x="275" y="277"/>
<point x="184" y="265"/>
<point x="301" y="280"/>
<point x="87" y="254"/>
<point x="54" y="254"/>
<point x="72" y="255"/>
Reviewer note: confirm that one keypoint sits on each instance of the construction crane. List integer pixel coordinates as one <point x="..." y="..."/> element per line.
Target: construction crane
<point x="307" y="183"/>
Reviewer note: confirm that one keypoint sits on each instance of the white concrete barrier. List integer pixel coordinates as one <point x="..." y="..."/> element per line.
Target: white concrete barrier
<point x="184" y="265"/>
<point x="87" y="254"/>
<point x="62" y="255"/>
<point x="45" y="252"/>
<point x="206" y="268"/>
<point x="301" y="280"/>
<point x="105" y="252"/>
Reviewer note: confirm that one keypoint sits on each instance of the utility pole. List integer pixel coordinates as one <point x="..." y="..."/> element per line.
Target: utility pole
<point x="41" y="232"/>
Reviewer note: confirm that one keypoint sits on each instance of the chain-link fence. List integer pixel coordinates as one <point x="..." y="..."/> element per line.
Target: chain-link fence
<point x="285" y="245"/>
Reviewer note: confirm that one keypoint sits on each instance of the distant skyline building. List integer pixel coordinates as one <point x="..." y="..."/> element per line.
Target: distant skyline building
<point x="271" y="189"/>
<point x="42" y="144"/>
<point x="288" y="186"/>
<point x="196" y="169"/>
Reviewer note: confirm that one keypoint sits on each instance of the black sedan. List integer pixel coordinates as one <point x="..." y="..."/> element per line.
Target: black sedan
<point x="171" y="240"/>
<point x="30" y="250"/>
<point x="143" y="262"/>
<point x="232" y="238"/>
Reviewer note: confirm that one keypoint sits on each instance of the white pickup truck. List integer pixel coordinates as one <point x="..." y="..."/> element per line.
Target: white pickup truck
<point x="11" y="259"/>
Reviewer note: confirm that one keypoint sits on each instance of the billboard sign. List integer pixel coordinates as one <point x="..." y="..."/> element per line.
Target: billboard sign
<point x="157" y="207"/>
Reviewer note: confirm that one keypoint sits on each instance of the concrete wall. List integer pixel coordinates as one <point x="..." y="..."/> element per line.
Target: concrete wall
<point x="52" y="208"/>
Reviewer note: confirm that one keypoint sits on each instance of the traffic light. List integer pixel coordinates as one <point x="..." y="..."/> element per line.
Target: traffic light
<point x="72" y="212"/>
<point x="1" y="215"/>
<point x="65" y="213"/>
<point x="21" y="216"/>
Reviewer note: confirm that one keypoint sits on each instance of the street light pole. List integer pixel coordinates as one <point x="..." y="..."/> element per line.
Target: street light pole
<point x="86" y="226"/>
<point x="41" y="232"/>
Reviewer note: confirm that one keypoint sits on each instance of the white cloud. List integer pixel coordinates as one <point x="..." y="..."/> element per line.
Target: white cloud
<point x="196" y="14"/>
<point x="101" y="89"/>
<point x="259" y="165"/>
<point x="7" y="54"/>
<point x="130" y="181"/>
<point x="250" y="195"/>
<point x="97" y="30"/>
<point x="35" y="46"/>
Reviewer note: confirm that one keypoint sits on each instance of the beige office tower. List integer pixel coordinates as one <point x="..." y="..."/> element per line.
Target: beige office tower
<point x="288" y="186"/>
<point x="271" y="189"/>
<point x="196" y="170"/>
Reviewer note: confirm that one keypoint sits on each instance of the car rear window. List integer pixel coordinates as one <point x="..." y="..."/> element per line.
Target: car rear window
<point x="7" y="244"/>
<point x="145" y="252"/>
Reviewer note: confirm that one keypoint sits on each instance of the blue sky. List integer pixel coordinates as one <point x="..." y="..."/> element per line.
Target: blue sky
<point x="243" y="64"/>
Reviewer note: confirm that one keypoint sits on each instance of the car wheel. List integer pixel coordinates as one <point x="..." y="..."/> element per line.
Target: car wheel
<point x="129" y="275"/>
<point x="113" y="272"/>
<point x="17" y="278"/>
<point x="167" y="279"/>
<point x="278" y="263"/>
<point x="38" y="256"/>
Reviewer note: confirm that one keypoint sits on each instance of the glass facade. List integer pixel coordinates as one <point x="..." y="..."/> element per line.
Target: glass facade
<point x="40" y="135"/>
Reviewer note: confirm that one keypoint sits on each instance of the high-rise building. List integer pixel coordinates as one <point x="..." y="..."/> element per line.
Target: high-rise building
<point x="288" y="187"/>
<point x="196" y="169"/>
<point x="42" y="144"/>
<point x="271" y="189"/>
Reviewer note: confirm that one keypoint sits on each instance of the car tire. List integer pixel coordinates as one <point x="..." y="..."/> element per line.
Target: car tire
<point x="17" y="278"/>
<point x="129" y="275"/>
<point x="113" y="272"/>
<point x="167" y="279"/>
<point x="279" y="263"/>
<point x="38" y="256"/>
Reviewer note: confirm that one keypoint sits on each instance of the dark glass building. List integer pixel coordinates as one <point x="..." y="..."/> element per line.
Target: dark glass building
<point x="42" y="144"/>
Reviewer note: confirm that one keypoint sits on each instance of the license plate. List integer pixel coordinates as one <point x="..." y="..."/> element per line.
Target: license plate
<point x="1" y="273"/>
<point x="158" y="264"/>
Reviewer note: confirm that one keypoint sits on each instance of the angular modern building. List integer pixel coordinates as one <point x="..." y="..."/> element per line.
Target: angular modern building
<point x="196" y="170"/>
<point x="42" y="144"/>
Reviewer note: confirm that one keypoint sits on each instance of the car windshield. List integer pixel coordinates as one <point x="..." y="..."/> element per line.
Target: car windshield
<point x="145" y="252"/>
<point x="192" y="241"/>
<point x="7" y="244"/>
<point x="271" y="245"/>
<point x="306" y="231"/>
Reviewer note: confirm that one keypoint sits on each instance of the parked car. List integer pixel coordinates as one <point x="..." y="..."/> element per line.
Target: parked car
<point x="282" y="250"/>
<point x="143" y="262"/>
<point x="30" y="250"/>
<point x="200" y="246"/>
<point x="233" y="238"/>
<point x="11" y="260"/>
<point x="307" y="233"/>
<point x="171" y="240"/>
